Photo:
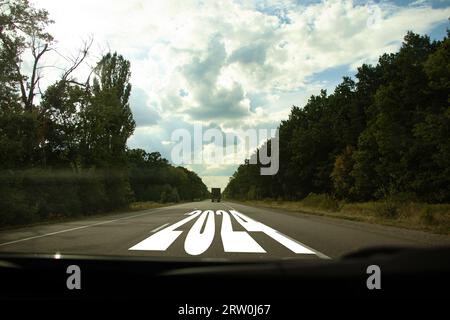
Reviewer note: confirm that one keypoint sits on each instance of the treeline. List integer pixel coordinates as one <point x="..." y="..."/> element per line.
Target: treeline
<point x="66" y="154"/>
<point x="385" y="135"/>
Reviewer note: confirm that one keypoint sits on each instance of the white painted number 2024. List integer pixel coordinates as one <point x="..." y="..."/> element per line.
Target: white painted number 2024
<point x="197" y="242"/>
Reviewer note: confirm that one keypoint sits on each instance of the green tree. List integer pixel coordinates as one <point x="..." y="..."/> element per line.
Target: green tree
<point x="60" y="124"/>
<point x="22" y="28"/>
<point x="386" y="134"/>
<point x="107" y="119"/>
<point x="22" y="31"/>
<point x="343" y="181"/>
<point x="432" y="131"/>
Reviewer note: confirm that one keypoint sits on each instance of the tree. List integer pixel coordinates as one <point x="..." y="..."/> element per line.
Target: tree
<point x="343" y="182"/>
<point x="107" y="119"/>
<point x="67" y="155"/>
<point x="60" y="123"/>
<point x="386" y="133"/>
<point x="23" y="34"/>
<point x="22" y="28"/>
<point x="432" y="130"/>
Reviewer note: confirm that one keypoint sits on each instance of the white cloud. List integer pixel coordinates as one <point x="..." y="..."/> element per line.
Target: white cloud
<point x="237" y="64"/>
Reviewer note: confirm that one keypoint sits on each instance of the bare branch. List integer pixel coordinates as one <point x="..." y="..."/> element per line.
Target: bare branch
<point x="39" y="88"/>
<point x="60" y="54"/>
<point x="38" y="50"/>
<point x="75" y="82"/>
<point x="50" y="66"/>
<point x="78" y="60"/>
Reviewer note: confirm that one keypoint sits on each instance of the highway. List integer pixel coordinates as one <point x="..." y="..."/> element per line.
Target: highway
<point x="206" y="230"/>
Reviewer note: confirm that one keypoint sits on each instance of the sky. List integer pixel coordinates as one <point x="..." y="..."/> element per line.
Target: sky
<point x="231" y="65"/>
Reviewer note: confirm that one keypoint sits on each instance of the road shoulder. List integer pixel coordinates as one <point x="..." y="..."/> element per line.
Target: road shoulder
<point x="381" y="229"/>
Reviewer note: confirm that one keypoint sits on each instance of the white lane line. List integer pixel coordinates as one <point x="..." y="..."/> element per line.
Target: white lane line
<point x="77" y="228"/>
<point x="159" y="228"/>
<point x="161" y="240"/>
<point x="318" y="253"/>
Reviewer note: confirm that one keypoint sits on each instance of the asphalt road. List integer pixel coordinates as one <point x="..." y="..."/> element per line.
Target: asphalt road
<point x="206" y="230"/>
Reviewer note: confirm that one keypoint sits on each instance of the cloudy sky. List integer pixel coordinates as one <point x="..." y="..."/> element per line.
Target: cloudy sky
<point x="233" y="64"/>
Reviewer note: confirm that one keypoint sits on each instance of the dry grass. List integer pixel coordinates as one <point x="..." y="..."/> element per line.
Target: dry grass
<point x="433" y="218"/>
<point x="137" y="206"/>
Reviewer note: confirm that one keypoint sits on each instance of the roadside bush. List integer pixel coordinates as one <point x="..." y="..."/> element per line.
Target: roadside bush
<point x="427" y="216"/>
<point x="14" y="205"/>
<point x="388" y="209"/>
<point x="54" y="193"/>
<point x="169" y="194"/>
<point x="252" y="194"/>
<point x="152" y="193"/>
<point x="118" y="190"/>
<point x="323" y="201"/>
<point x="36" y="194"/>
<point x="91" y="192"/>
<point x="174" y="196"/>
<point x="392" y="200"/>
<point x="403" y="197"/>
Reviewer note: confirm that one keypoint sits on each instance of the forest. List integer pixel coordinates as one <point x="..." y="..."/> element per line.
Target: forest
<point x="382" y="134"/>
<point x="63" y="150"/>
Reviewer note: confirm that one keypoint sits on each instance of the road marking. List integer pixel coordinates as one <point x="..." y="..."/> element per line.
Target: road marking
<point x="161" y="240"/>
<point x="318" y="253"/>
<point x="198" y="241"/>
<point x="254" y="226"/>
<point x="159" y="228"/>
<point x="237" y="241"/>
<point x="78" y="228"/>
<point x="201" y="235"/>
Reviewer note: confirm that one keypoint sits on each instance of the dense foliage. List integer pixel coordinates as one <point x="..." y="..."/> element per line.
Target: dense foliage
<point x="67" y="154"/>
<point x="384" y="134"/>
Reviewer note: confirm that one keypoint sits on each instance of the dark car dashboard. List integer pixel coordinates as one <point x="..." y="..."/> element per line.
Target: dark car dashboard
<point x="372" y="273"/>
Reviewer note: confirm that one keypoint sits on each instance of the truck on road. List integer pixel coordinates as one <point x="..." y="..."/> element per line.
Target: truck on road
<point x="215" y="194"/>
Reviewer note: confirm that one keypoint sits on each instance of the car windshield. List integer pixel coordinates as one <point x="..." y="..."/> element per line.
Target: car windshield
<point x="223" y="130"/>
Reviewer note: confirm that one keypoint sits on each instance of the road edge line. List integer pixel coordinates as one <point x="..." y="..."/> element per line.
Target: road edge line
<point x="78" y="228"/>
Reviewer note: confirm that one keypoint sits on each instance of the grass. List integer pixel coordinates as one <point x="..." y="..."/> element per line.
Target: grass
<point x="134" y="206"/>
<point x="137" y="206"/>
<point x="434" y="218"/>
